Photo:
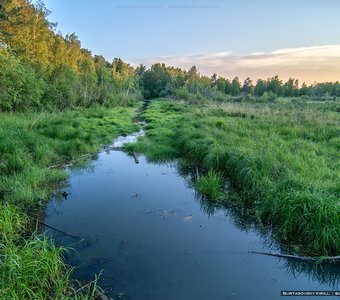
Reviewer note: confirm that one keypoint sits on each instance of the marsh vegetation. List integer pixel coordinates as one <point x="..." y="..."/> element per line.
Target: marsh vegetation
<point x="282" y="160"/>
<point x="31" y="145"/>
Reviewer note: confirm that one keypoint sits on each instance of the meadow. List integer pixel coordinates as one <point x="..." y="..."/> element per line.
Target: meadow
<point x="33" y="148"/>
<point x="280" y="159"/>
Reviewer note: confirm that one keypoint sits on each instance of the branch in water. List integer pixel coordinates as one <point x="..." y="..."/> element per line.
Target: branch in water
<point x="321" y="258"/>
<point x="56" y="229"/>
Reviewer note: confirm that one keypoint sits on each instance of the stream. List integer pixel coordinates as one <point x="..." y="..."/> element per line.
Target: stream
<point x="152" y="236"/>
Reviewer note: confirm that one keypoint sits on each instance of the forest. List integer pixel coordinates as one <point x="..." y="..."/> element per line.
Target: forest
<point x="276" y="142"/>
<point x="43" y="70"/>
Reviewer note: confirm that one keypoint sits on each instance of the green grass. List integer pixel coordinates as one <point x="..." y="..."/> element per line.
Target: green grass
<point x="210" y="185"/>
<point x="163" y="121"/>
<point x="32" y="268"/>
<point x="282" y="159"/>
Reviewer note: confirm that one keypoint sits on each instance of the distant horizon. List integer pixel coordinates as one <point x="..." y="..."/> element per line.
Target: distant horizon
<point x="256" y="39"/>
<point x="286" y="63"/>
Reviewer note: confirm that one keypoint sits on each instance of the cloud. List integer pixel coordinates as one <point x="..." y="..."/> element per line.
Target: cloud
<point x="309" y="64"/>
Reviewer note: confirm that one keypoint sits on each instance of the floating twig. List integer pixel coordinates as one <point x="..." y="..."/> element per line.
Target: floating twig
<point x="64" y="165"/>
<point x="71" y="163"/>
<point x="306" y="258"/>
<point x="84" y="286"/>
<point x="59" y="230"/>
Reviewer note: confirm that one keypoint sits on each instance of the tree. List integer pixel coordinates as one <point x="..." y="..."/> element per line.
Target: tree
<point x="20" y="85"/>
<point x="123" y="76"/>
<point x="248" y="86"/>
<point x="41" y="36"/>
<point x="213" y="79"/>
<point x="275" y="86"/>
<point x="260" y="87"/>
<point x="59" y="52"/>
<point x="63" y="91"/>
<point x="88" y="78"/>
<point x="154" y="81"/>
<point x="74" y="54"/>
<point x="303" y="90"/>
<point x="104" y="79"/>
<point x="223" y="85"/>
<point x="193" y="74"/>
<point x="235" y="86"/>
<point x="288" y="88"/>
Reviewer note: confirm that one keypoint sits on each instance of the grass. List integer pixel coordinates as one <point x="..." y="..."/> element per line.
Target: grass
<point x="210" y="185"/>
<point x="282" y="159"/>
<point x="32" y="267"/>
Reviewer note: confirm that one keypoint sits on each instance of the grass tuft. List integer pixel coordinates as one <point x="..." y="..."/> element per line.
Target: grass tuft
<point x="210" y="185"/>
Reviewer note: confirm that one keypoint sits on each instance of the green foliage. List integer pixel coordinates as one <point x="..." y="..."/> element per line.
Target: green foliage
<point x="154" y="81"/>
<point x="210" y="185"/>
<point x="268" y="97"/>
<point x="20" y="85"/>
<point x="40" y="69"/>
<point x="62" y="92"/>
<point x="182" y="93"/>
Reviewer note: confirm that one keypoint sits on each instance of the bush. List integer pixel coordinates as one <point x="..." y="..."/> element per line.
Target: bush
<point x="268" y="97"/>
<point x="20" y="85"/>
<point x="62" y="92"/>
<point x="182" y="93"/>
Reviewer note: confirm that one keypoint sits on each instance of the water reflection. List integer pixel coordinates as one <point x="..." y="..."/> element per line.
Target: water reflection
<point x="327" y="274"/>
<point x="169" y="240"/>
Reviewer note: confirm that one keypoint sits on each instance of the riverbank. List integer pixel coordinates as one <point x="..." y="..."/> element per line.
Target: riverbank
<point x="281" y="158"/>
<point x="31" y="146"/>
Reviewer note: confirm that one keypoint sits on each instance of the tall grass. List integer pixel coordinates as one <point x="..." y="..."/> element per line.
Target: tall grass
<point x="32" y="268"/>
<point x="210" y="185"/>
<point x="282" y="158"/>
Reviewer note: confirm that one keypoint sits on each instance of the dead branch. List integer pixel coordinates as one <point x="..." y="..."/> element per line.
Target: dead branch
<point x="306" y="258"/>
<point x="59" y="230"/>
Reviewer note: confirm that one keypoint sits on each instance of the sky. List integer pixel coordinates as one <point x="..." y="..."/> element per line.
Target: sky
<point x="255" y="38"/>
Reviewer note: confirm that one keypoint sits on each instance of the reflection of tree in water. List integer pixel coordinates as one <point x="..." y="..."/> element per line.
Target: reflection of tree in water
<point x="242" y="218"/>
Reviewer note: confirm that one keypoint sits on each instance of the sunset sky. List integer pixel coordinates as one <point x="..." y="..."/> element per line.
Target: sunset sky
<point x="251" y="38"/>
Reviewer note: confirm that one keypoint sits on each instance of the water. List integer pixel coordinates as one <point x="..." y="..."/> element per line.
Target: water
<point x="153" y="237"/>
<point x="121" y="140"/>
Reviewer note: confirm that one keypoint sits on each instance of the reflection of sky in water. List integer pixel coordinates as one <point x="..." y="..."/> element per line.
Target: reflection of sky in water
<point x="121" y="140"/>
<point x="154" y="238"/>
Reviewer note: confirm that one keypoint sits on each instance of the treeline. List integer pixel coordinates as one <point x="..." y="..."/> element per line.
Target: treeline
<point x="161" y="80"/>
<point x="40" y="68"/>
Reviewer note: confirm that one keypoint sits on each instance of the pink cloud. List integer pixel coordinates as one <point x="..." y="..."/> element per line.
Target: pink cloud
<point x="309" y="64"/>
